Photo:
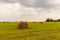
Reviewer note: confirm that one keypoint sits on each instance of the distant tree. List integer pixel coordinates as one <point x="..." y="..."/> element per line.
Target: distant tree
<point x="58" y="20"/>
<point x="49" y="20"/>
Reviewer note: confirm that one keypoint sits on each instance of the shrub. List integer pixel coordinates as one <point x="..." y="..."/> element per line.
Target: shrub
<point x="7" y="21"/>
<point x="41" y="22"/>
<point x="22" y="25"/>
<point x="4" y="22"/>
<point x="34" y="22"/>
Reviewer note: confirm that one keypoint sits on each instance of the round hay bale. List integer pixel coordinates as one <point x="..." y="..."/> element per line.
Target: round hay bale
<point x="22" y="25"/>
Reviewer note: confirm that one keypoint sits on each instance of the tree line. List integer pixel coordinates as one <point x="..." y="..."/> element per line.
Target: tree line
<point x="51" y="20"/>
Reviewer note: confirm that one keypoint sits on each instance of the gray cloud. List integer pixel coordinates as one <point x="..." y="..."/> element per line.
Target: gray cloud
<point x="41" y="3"/>
<point x="9" y="1"/>
<point x="34" y="3"/>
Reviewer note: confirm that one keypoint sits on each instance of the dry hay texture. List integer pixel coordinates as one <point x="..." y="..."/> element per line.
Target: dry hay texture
<point x="22" y="25"/>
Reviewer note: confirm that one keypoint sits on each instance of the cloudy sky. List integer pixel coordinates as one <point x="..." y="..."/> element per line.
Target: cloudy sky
<point x="29" y="10"/>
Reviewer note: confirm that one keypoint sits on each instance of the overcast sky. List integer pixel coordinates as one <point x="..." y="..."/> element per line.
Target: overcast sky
<point x="29" y="10"/>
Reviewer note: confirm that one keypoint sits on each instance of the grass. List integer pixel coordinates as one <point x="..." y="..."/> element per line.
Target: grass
<point x="36" y="31"/>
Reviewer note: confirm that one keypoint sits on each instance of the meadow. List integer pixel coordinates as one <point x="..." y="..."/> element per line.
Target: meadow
<point x="36" y="31"/>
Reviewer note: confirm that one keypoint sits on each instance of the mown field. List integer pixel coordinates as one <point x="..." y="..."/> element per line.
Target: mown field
<point x="36" y="31"/>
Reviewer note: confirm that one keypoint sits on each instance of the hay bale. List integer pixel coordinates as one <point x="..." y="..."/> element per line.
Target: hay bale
<point x="22" y="25"/>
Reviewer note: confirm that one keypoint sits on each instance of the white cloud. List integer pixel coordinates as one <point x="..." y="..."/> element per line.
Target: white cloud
<point x="54" y="14"/>
<point x="9" y="11"/>
<point x="54" y="2"/>
<point x="13" y="12"/>
<point x="29" y="10"/>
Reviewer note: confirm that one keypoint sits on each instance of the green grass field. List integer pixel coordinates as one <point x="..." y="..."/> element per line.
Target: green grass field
<point x="36" y="31"/>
